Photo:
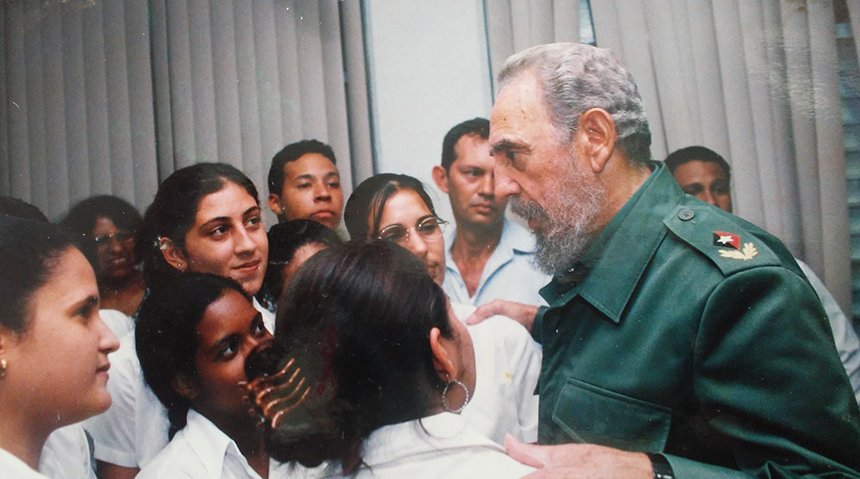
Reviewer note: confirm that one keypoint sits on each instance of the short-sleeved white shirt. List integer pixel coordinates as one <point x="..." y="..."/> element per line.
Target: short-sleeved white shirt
<point x="507" y="368"/>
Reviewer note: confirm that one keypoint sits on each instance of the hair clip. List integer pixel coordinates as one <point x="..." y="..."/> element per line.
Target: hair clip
<point x="161" y="243"/>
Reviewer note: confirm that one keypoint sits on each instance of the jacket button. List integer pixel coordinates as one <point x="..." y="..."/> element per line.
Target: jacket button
<point x="686" y="215"/>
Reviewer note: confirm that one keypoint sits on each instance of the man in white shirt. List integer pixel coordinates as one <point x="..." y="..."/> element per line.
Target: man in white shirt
<point x="488" y="257"/>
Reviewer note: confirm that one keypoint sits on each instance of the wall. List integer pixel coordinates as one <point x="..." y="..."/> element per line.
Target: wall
<point x="416" y="97"/>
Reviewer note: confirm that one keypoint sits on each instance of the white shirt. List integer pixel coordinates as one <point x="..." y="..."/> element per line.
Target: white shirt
<point x="12" y="467"/>
<point x="507" y="368"/>
<point x="844" y="335"/>
<point x="202" y="451"/>
<point x="67" y="455"/>
<point x="443" y="445"/>
<point x="509" y="273"/>
<point x="118" y="322"/>
<point x="134" y="429"/>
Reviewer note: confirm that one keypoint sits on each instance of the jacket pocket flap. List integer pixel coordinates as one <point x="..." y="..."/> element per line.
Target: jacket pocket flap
<point x="591" y="414"/>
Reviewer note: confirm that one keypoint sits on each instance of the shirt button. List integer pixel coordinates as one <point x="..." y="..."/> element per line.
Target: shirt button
<point x="686" y="215"/>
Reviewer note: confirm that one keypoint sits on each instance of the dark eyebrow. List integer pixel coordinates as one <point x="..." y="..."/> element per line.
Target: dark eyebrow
<point x="506" y="145"/>
<point x="254" y="210"/>
<point x="89" y="302"/>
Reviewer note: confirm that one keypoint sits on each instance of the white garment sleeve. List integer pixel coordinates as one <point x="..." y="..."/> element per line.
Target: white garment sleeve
<point x="524" y="360"/>
<point x="113" y="431"/>
<point x="67" y="455"/>
<point x="844" y="335"/>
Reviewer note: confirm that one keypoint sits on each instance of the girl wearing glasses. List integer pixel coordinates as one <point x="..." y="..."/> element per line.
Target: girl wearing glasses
<point x="396" y="208"/>
<point x="205" y="218"/>
<point x="104" y="227"/>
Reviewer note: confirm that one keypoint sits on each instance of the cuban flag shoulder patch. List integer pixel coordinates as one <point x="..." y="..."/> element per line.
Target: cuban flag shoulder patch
<point x="728" y="240"/>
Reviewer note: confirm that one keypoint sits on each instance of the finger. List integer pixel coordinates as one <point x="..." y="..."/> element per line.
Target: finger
<point x="481" y="313"/>
<point x="528" y="454"/>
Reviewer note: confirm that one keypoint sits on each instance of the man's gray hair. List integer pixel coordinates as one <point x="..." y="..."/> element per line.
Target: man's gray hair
<point x="577" y="77"/>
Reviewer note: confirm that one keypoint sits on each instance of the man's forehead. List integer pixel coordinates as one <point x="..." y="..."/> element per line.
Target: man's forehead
<point x="471" y="148"/>
<point x="518" y="106"/>
<point x="313" y="164"/>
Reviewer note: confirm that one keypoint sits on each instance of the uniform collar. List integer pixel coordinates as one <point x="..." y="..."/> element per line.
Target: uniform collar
<point x="621" y="252"/>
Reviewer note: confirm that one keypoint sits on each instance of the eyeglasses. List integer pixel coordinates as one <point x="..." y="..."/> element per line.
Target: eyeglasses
<point x="430" y="228"/>
<point x="121" y="237"/>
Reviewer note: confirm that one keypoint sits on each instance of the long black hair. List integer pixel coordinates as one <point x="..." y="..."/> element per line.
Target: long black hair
<point x="166" y="334"/>
<point x="365" y="311"/>
<point x="174" y="209"/>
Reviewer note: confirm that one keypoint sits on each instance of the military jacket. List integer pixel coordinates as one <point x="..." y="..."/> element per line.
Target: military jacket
<point x="695" y="334"/>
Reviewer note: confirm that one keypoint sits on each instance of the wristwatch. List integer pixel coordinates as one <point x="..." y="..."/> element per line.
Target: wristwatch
<point x="661" y="466"/>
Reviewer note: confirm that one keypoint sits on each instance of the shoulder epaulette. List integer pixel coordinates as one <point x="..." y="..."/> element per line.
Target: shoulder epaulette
<point x="717" y="235"/>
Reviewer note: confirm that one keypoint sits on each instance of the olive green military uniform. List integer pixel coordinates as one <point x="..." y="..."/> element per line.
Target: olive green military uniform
<point x="694" y="333"/>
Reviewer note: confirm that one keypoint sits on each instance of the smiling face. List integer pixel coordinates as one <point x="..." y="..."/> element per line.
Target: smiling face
<point x="60" y="362"/>
<point x="470" y="185"/>
<point x="407" y="209"/>
<point x="311" y="190"/>
<point x="229" y="330"/>
<point x="114" y="249"/>
<point x="551" y="186"/>
<point x="228" y="238"/>
<point x="707" y="181"/>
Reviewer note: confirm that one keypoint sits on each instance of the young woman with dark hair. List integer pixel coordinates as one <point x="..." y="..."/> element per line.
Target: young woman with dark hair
<point x="388" y="363"/>
<point x="396" y="208"/>
<point x="204" y="218"/>
<point x="193" y="333"/>
<point x="53" y="345"/>
<point x="291" y="243"/>
<point x="104" y="227"/>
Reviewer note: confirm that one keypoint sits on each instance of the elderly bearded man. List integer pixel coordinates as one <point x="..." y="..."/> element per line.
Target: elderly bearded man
<point x="680" y="341"/>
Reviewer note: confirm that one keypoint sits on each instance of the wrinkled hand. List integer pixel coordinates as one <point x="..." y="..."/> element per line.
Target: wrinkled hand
<point x="519" y="312"/>
<point x="579" y="461"/>
<point x="276" y="395"/>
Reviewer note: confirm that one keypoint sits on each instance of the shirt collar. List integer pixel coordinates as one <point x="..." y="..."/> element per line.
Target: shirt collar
<point x="209" y="443"/>
<point x="433" y="433"/>
<point x="619" y="255"/>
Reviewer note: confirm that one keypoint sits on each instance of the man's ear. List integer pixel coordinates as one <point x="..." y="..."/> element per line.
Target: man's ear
<point x="185" y="387"/>
<point x="442" y="362"/>
<point x="275" y="204"/>
<point x="172" y="254"/>
<point x="440" y="177"/>
<point x="596" y="137"/>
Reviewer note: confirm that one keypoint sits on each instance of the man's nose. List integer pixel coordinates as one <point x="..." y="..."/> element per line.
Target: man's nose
<point x="504" y="184"/>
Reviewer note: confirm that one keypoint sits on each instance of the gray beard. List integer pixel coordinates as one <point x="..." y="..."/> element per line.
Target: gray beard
<point x="567" y="222"/>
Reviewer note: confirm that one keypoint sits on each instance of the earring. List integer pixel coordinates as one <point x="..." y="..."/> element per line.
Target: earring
<point x="3" y="366"/>
<point x="445" y="403"/>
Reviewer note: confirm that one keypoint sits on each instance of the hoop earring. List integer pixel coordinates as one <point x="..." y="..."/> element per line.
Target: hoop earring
<point x="445" y="396"/>
<point x="3" y="366"/>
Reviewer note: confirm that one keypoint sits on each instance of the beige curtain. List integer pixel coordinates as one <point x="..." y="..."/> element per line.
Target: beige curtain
<point x="113" y="96"/>
<point x="514" y="25"/>
<point x="757" y="82"/>
<point x="77" y="116"/>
